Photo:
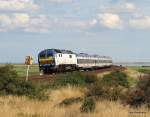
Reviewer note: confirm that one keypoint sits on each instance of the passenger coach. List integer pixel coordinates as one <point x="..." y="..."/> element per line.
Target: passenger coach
<point x="56" y="60"/>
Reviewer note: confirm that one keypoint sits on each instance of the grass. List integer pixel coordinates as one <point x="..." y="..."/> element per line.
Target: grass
<point x="23" y="107"/>
<point x="14" y="106"/>
<point x="21" y="69"/>
<point x="140" y="69"/>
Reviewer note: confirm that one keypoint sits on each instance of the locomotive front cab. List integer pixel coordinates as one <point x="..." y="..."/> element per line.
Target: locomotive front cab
<point x="46" y="60"/>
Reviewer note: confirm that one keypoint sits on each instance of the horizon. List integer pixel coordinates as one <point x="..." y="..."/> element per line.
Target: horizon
<point x="116" y="28"/>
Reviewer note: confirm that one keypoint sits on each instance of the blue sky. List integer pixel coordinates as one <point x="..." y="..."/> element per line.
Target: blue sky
<point x="117" y="28"/>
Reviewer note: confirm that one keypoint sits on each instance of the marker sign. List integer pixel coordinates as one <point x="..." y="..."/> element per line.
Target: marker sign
<point x="28" y="62"/>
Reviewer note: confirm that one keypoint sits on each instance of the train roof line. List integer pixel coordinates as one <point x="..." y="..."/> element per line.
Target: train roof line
<point x="64" y="51"/>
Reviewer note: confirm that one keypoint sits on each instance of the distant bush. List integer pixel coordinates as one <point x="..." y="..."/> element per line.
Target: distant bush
<point x="10" y="85"/>
<point x="88" y="105"/>
<point x="116" y="78"/>
<point x="75" y="79"/>
<point x="135" y="98"/>
<point x="103" y="92"/>
<point x="111" y="87"/>
<point x="141" y="94"/>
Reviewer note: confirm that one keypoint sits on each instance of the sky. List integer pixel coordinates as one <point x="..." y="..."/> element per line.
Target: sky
<point x="116" y="28"/>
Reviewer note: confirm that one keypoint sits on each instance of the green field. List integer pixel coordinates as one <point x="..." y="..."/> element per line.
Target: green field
<point x="140" y="69"/>
<point x="21" y="69"/>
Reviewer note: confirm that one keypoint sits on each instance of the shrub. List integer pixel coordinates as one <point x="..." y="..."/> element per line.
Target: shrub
<point x="141" y="94"/>
<point x="8" y="81"/>
<point x="88" y="105"/>
<point x="75" y="79"/>
<point x="111" y="87"/>
<point x="135" y="98"/>
<point x="96" y="90"/>
<point x="31" y="90"/>
<point x="116" y="78"/>
<point x="10" y="85"/>
<point x="115" y="93"/>
<point x="70" y="101"/>
<point x="101" y="91"/>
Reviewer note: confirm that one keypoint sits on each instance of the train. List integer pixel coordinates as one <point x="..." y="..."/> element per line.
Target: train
<point x="60" y="60"/>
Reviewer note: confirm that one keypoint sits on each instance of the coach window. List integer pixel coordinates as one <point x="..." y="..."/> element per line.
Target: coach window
<point x="70" y="56"/>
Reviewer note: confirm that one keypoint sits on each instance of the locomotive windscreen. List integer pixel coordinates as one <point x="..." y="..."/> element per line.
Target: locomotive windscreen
<point x="46" y="57"/>
<point x="42" y="54"/>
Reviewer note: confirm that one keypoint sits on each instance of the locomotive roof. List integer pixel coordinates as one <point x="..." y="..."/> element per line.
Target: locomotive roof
<point x="63" y="51"/>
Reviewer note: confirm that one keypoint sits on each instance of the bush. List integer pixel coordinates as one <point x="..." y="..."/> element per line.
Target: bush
<point x="75" y="79"/>
<point x="141" y="94"/>
<point x="70" y="101"/>
<point x="116" y="78"/>
<point x="100" y="91"/>
<point x="135" y="98"/>
<point x="8" y="81"/>
<point x="111" y="87"/>
<point x="10" y="85"/>
<point x="96" y="90"/>
<point x="88" y="105"/>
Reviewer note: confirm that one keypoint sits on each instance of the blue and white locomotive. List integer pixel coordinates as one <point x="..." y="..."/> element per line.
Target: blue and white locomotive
<point x="56" y="60"/>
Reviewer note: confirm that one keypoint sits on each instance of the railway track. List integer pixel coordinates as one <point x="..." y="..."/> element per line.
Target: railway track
<point x="53" y="76"/>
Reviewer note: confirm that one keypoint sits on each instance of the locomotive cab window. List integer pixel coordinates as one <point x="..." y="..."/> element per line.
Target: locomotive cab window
<point x="70" y="56"/>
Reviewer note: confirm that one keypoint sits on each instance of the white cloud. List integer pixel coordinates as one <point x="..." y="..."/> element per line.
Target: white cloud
<point x="124" y="7"/>
<point x="24" y="22"/>
<point x="140" y="23"/>
<point x="60" y="1"/>
<point x="79" y="24"/>
<point x="130" y="6"/>
<point x="109" y="20"/>
<point x="16" y="5"/>
<point x="38" y="24"/>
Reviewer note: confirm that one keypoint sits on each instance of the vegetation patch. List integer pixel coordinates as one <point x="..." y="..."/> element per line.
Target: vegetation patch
<point x="116" y="78"/>
<point x="88" y="105"/>
<point x="141" y="94"/>
<point x="111" y="87"/>
<point x="69" y="101"/>
<point x="10" y="85"/>
<point x="145" y="71"/>
<point x="73" y="79"/>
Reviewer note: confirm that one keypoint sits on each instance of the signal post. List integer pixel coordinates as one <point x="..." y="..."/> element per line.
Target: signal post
<point x="28" y="62"/>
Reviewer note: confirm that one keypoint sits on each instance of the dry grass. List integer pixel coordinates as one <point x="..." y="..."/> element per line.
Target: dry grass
<point x="133" y="73"/>
<point x="100" y="75"/>
<point x="23" y="107"/>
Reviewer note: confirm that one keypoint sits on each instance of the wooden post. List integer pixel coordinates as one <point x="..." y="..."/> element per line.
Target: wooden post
<point x="28" y="67"/>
